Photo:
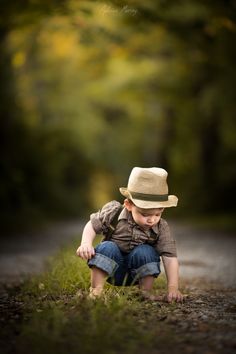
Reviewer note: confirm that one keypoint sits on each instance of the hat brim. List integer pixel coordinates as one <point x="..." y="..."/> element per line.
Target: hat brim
<point x="145" y="204"/>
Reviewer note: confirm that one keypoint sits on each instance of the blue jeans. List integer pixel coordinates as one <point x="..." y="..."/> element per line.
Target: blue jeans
<point x="126" y="268"/>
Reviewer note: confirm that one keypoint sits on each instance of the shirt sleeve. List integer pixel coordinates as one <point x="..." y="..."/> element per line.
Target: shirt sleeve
<point x="102" y="218"/>
<point x="166" y="245"/>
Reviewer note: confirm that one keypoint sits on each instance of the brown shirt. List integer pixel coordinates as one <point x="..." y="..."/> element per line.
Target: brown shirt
<point x="128" y="234"/>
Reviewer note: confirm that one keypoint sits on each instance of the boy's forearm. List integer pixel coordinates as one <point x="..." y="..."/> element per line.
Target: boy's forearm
<point x="171" y="266"/>
<point x="88" y="234"/>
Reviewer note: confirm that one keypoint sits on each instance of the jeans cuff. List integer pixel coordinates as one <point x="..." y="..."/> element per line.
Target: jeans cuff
<point x="105" y="263"/>
<point x="152" y="268"/>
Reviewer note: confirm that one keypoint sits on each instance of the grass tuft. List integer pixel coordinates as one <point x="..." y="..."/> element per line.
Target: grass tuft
<point x="57" y="316"/>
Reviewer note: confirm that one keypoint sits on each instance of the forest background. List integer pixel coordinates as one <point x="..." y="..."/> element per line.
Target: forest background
<point x="90" y="89"/>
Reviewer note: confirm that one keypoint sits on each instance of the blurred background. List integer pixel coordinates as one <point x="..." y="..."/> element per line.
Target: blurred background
<point x="90" y="89"/>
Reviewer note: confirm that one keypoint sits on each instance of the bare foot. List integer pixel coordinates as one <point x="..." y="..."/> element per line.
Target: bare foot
<point x="147" y="295"/>
<point x="95" y="293"/>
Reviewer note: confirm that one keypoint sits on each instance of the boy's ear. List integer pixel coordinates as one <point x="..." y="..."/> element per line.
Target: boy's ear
<point x="128" y="204"/>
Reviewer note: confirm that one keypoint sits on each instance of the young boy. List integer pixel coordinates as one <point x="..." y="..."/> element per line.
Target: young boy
<point x="132" y="253"/>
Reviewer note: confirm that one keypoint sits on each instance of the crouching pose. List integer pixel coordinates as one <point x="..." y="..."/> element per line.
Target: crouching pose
<point x="136" y="236"/>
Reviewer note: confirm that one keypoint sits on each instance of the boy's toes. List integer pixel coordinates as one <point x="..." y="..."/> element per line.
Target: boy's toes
<point x="95" y="293"/>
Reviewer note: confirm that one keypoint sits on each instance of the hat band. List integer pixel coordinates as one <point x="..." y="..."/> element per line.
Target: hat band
<point x="150" y="197"/>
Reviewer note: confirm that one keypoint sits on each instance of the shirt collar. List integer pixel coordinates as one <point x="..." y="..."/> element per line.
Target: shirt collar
<point x="125" y="214"/>
<point x="155" y="228"/>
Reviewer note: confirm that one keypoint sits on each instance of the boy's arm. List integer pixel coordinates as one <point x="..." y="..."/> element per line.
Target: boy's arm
<point x="171" y="266"/>
<point x="86" y="250"/>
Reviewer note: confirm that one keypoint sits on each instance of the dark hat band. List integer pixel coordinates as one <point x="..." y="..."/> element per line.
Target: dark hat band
<point x="150" y="197"/>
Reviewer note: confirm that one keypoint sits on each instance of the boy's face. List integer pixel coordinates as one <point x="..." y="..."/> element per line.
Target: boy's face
<point x="145" y="218"/>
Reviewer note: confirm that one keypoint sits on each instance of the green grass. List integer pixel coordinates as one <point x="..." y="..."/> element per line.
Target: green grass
<point x="57" y="317"/>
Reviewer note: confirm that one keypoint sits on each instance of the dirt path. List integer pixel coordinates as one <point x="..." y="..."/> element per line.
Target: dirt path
<point x="202" y="254"/>
<point x="204" y="324"/>
<point x="206" y="254"/>
<point x="25" y="254"/>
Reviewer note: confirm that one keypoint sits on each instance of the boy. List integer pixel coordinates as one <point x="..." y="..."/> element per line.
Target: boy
<point x="132" y="253"/>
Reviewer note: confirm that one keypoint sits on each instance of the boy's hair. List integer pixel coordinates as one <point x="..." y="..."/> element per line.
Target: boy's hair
<point x="130" y="201"/>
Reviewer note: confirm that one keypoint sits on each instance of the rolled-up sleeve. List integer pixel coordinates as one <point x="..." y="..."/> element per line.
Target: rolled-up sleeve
<point x="102" y="218"/>
<point x="166" y="245"/>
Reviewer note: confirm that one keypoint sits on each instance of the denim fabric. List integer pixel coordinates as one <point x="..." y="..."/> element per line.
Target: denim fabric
<point x="126" y="268"/>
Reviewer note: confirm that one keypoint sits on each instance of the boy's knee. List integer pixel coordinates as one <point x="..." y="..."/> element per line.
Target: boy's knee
<point x="108" y="248"/>
<point x="145" y="261"/>
<point x="107" y="257"/>
<point x="145" y="254"/>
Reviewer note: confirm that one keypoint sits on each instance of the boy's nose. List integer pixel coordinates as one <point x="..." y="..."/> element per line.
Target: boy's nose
<point x="151" y="220"/>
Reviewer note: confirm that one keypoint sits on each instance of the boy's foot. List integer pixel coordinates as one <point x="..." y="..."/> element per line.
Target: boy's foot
<point x="147" y="295"/>
<point x="95" y="293"/>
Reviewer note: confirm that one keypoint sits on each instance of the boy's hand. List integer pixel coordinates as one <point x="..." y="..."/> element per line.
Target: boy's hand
<point x="174" y="294"/>
<point x="85" y="251"/>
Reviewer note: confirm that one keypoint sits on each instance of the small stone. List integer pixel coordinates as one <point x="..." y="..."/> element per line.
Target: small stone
<point x="41" y="286"/>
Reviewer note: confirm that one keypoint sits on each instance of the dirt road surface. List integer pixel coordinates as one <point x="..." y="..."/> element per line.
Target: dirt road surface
<point x="204" y="324"/>
<point x="202" y="253"/>
<point x="25" y="254"/>
<point x="206" y="254"/>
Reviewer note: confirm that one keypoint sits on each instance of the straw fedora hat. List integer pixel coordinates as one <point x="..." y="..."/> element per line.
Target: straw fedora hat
<point x="147" y="188"/>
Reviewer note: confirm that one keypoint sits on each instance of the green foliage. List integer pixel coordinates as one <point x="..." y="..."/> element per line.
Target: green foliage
<point x="66" y="274"/>
<point x="84" y="326"/>
<point x="96" y="88"/>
